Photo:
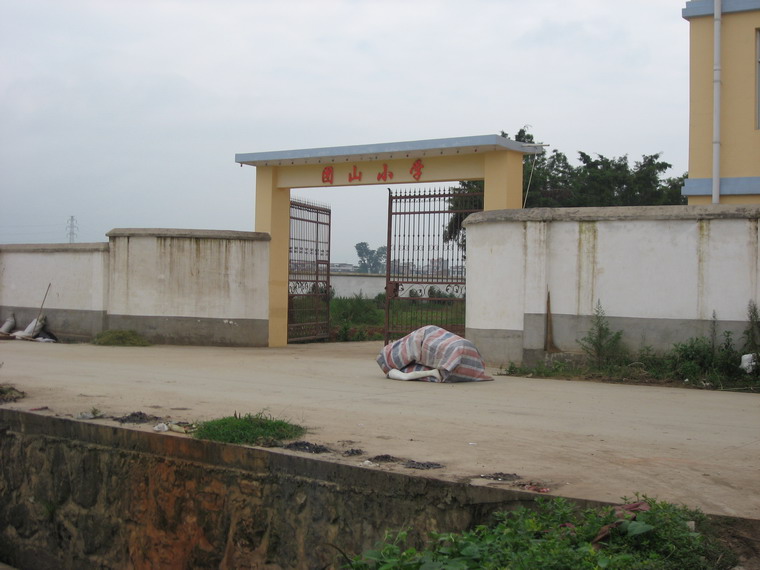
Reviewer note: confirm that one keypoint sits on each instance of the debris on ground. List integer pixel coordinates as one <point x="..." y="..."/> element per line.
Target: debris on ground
<point x="177" y="427"/>
<point x="384" y="459"/>
<point x="10" y="394"/>
<point x="353" y="452"/>
<point x="411" y="464"/>
<point x="307" y="447"/>
<point x="534" y="486"/>
<point x="499" y="476"/>
<point x="137" y="418"/>
<point x="93" y="414"/>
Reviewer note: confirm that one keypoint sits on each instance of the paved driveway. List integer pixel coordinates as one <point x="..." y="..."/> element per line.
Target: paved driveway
<point x="580" y="439"/>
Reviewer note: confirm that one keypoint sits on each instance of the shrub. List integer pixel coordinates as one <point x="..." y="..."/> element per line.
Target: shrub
<point x="600" y="344"/>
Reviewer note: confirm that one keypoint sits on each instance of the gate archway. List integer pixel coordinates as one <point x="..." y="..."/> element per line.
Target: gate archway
<point x="492" y="158"/>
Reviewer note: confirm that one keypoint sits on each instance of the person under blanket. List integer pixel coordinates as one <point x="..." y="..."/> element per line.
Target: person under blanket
<point x="432" y="354"/>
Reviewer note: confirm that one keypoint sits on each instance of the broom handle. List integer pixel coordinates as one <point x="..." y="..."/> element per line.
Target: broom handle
<point x="43" y="302"/>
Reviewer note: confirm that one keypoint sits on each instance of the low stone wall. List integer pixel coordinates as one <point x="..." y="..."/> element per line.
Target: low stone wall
<point x="80" y="495"/>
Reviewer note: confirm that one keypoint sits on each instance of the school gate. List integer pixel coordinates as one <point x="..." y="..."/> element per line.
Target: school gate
<point x="492" y="158"/>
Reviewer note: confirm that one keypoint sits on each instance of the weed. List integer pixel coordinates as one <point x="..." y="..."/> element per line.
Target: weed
<point x="600" y="344"/>
<point x="120" y="338"/>
<point x="249" y="429"/>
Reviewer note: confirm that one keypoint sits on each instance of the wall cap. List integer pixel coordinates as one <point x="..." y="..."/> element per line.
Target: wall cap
<point x="185" y="233"/>
<point x="618" y="213"/>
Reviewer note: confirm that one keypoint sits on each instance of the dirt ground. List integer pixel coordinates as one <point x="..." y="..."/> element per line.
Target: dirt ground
<point x="574" y="439"/>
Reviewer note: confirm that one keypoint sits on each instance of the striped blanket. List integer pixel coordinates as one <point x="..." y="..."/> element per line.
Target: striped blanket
<point x="432" y="347"/>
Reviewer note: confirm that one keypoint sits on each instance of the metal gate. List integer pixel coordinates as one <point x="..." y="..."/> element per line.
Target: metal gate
<point x="425" y="273"/>
<point x="309" y="272"/>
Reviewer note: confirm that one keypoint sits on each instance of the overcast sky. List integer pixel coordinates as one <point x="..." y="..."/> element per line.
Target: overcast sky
<point x="129" y="113"/>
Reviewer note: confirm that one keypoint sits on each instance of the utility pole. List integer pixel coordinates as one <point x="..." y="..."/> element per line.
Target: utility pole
<point x="71" y="228"/>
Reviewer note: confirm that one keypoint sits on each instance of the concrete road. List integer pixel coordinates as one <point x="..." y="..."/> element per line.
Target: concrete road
<point x="580" y="439"/>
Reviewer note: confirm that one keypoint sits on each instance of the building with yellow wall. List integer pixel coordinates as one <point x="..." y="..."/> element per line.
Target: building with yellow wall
<point x="724" y="118"/>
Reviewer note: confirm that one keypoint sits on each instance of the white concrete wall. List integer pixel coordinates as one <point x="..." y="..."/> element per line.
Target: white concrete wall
<point x="77" y="274"/>
<point x="659" y="273"/>
<point x="172" y="286"/>
<point x="75" y="306"/>
<point x="189" y="273"/>
<point x="350" y="284"/>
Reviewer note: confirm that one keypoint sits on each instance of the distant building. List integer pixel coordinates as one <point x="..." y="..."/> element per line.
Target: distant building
<point x="736" y="143"/>
<point x="342" y="268"/>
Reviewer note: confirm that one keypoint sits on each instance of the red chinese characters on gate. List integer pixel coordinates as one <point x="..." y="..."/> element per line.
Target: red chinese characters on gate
<point x="353" y="175"/>
<point x="384" y="174"/>
<point x="416" y="169"/>
<point x="328" y="173"/>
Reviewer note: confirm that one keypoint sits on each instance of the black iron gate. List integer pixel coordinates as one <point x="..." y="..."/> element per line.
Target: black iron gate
<point x="425" y="273"/>
<point x="309" y="272"/>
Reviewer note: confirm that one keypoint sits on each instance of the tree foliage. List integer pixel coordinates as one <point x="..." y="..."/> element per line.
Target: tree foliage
<point x="550" y="181"/>
<point x="370" y="260"/>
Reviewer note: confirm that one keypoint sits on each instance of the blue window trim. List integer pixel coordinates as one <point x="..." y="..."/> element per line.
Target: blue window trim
<point x="728" y="186"/>
<point x="696" y="8"/>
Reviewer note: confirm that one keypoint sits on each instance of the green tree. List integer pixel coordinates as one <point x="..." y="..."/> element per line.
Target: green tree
<point x="370" y="260"/>
<point x="550" y="181"/>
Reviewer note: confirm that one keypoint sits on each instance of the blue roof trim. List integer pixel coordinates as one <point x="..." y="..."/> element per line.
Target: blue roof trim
<point x="459" y="145"/>
<point x="728" y="186"/>
<point x="696" y="8"/>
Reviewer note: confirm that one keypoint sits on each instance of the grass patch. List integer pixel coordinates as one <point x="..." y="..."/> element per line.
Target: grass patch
<point x="256" y="429"/>
<point x="555" y="534"/>
<point x="120" y="338"/>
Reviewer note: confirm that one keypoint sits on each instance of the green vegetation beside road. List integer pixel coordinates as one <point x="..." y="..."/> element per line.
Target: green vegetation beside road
<point x="646" y="534"/>
<point x="702" y="362"/>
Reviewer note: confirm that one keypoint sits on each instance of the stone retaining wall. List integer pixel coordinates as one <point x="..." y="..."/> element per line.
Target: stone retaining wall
<point x="80" y="495"/>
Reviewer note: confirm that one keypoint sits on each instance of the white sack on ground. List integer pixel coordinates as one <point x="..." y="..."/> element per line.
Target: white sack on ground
<point x="33" y="329"/>
<point x="9" y="324"/>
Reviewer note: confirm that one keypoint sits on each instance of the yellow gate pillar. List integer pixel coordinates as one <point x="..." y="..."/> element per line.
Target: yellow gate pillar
<point x="273" y="217"/>
<point x="503" y="188"/>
